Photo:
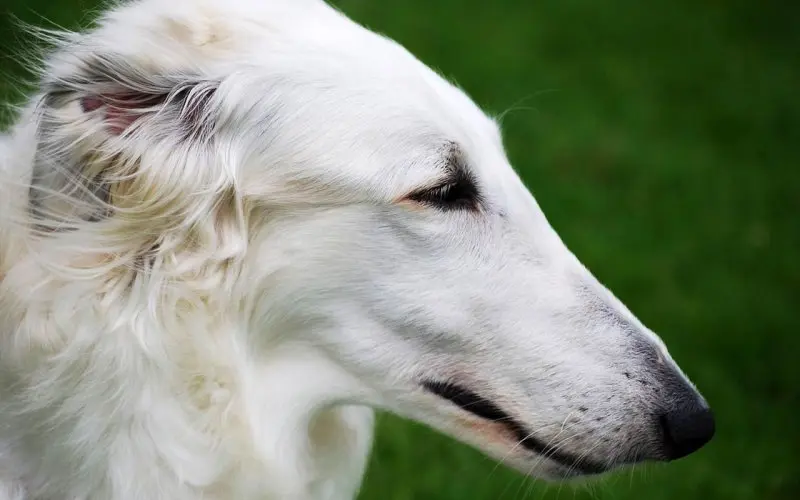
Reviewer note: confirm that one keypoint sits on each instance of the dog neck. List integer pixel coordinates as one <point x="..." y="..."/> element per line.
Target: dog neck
<point x="170" y="403"/>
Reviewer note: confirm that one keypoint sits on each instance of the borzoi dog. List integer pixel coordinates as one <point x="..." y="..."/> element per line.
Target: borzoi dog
<point x="231" y="229"/>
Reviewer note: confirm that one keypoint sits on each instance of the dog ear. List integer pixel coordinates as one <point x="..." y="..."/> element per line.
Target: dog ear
<point x="129" y="161"/>
<point x="102" y="124"/>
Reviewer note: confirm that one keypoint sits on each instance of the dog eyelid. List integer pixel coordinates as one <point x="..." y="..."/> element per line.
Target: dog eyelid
<point x="458" y="192"/>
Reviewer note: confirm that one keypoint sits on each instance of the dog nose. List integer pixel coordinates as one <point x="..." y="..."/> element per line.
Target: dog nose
<point x="687" y="428"/>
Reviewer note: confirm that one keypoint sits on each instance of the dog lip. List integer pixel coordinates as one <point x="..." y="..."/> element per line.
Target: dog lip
<point x="472" y="402"/>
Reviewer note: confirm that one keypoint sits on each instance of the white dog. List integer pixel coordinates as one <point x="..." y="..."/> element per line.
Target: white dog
<point x="229" y="229"/>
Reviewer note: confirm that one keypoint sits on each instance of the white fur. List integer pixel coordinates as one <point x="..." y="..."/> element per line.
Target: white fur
<point x="224" y="328"/>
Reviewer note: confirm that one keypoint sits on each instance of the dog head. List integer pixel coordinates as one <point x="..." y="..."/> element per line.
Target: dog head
<point x="340" y="197"/>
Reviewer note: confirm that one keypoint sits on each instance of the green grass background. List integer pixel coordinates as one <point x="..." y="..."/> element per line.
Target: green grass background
<point x="662" y="139"/>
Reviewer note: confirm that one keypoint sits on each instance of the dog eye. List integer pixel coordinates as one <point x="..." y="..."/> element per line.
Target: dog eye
<point x="458" y="194"/>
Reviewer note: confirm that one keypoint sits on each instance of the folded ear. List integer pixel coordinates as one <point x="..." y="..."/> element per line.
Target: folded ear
<point x="105" y="122"/>
<point x="129" y="169"/>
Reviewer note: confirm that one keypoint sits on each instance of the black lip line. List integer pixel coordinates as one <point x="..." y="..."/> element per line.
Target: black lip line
<point x="482" y="407"/>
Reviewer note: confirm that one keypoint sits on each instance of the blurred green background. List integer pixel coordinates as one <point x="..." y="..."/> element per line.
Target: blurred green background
<point x="662" y="139"/>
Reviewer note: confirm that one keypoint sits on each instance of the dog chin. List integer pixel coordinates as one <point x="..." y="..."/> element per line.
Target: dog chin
<point x="540" y="467"/>
<point x="561" y="473"/>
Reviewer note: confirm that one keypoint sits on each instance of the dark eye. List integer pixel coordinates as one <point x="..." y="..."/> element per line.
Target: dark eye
<point x="457" y="194"/>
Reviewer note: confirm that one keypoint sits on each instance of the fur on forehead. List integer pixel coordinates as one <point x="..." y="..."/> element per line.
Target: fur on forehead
<point x="236" y="32"/>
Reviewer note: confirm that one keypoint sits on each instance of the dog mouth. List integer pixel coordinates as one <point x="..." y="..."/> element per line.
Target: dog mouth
<point x="479" y="406"/>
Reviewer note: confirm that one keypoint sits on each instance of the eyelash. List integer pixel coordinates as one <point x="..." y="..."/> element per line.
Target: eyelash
<point x="459" y="194"/>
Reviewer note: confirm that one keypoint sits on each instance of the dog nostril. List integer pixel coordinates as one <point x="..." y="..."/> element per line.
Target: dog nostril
<point x="686" y="430"/>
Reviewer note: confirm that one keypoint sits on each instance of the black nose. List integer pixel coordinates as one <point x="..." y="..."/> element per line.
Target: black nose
<point x="686" y="429"/>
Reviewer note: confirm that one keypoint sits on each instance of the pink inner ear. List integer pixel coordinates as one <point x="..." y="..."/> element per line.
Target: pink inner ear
<point x="118" y="116"/>
<point x="89" y="104"/>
